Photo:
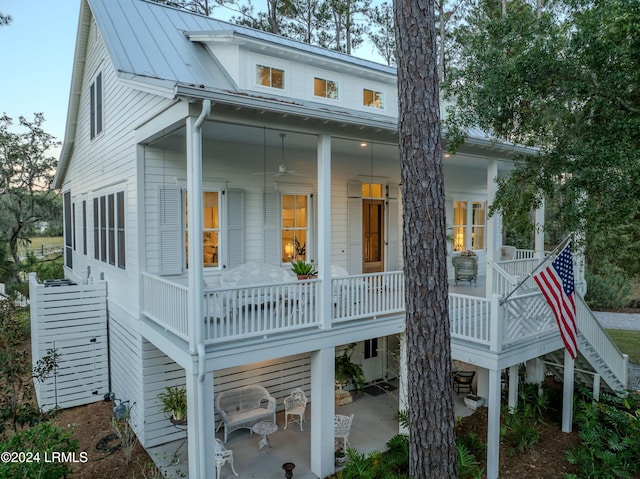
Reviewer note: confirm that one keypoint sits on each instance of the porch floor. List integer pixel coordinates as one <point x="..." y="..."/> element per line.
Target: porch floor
<point x="373" y="425"/>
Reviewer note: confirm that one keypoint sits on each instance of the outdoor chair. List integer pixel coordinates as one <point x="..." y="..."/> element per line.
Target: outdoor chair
<point x="466" y="269"/>
<point x="507" y="253"/>
<point x="463" y="380"/>
<point x="295" y="405"/>
<point x="342" y="427"/>
<point x="223" y="455"/>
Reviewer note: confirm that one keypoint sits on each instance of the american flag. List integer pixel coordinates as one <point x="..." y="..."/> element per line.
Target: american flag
<point x="557" y="286"/>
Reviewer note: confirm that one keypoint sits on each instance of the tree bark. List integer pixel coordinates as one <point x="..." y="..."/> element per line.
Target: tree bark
<point x="430" y="388"/>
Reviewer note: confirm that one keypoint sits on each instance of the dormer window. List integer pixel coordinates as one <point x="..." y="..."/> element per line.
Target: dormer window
<point x="270" y="77"/>
<point x="372" y="98"/>
<point x="325" y="88"/>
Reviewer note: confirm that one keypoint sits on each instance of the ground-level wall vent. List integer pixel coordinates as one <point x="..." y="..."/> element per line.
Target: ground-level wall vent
<point x="71" y="319"/>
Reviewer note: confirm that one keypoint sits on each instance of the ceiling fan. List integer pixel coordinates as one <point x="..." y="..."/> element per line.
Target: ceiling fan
<point x="282" y="168"/>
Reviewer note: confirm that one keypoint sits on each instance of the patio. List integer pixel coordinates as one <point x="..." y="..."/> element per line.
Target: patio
<point x="373" y="425"/>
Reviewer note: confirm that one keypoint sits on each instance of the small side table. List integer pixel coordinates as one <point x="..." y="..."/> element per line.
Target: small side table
<point x="181" y="425"/>
<point x="265" y="428"/>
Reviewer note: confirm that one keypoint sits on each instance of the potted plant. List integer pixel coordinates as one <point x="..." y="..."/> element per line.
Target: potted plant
<point x="347" y="371"/>
<point x="473" y="402"/>
<point x="174" y="402"/>
<point x="304" y="270"/>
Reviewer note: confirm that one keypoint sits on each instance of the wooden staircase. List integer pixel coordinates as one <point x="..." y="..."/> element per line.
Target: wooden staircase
<point x="600" y="364"/>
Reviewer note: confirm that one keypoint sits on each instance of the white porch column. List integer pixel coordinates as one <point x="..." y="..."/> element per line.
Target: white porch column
<point x="199" y="387"/>
<point x="494" y="235"/>
<point x="200" y="418"/>
<point x="403" y="387"/>
<point x="513" y="387"/>
<point x="324" y="230"/>
<point x="539" y="232"/>
<point x="567" y="392"/>
<point x="322" y="411"/>
<point x="482" y="382"/>
<point x="493" y="426"/>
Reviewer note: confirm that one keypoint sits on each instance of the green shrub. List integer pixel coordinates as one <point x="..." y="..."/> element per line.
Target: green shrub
<point x="38" y="443"/>
<point x="608" y="288"/>
<point x="609" y="436"/>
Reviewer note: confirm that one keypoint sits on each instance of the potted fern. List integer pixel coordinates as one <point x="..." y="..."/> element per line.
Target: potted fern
<point x="174" y="402"/>
<point x="347" y="371"/>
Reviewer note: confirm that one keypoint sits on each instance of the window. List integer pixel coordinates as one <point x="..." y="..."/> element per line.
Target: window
<point x="469" y="225"/>
<point x="210" y="228"/>
<point x="370" y="348"/>
<point x="372" y="98"/>
<point x="270" y="77"/>
<point x="295" y="228"/>
<point x="84" y="228"/>
<point x="96" y="229"/>
<point x="325" y="88"/>
<point x="96" y="106"/>
<point x="111" y="228"/>
<point x="108" y="229"/>
<point x="120" y="230"/>
<point x="68" y="230"/>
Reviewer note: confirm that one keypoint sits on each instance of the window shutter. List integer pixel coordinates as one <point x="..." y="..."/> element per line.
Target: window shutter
<point x="171" y="230"/>
<point x="272" y="229"/>
<point x="354" y="235"/>
<point x="235" y="228"/>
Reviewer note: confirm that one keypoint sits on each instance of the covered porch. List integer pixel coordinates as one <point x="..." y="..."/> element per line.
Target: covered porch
<point x="374" y="424"/>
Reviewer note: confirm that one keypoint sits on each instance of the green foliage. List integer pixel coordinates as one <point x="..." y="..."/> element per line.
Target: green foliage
<point x="42" y="439"/>
<point x="394" y="463"/>
<point x="610" y="288"/>
<point x="563" y="83"/>
<point x="348" y="371"/>
<point x="17" y="408"/>
<point x="303" y="268"/>
<point x="609" y="436"/>
<point x="51" y="267"/>
<point x="174" y="401"/>
<point x="468" y="465"/>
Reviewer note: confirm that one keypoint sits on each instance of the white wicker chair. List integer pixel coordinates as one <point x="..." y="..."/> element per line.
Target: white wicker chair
<point x="295" y="405"/>
<point x="342" y="428"/>
<point x="222" y="456"/>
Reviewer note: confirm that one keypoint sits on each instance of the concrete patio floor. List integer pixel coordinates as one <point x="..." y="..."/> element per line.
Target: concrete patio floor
<point x="373" y="425"/>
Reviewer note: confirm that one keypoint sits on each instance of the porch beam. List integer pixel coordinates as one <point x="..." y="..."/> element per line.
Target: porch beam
<point x="322" y="411"/>
<point x="324" y="230"/>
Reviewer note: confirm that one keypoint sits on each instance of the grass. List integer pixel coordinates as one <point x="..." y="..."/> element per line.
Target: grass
<point x="38" y="241"/>
<point x="628" y="342"/>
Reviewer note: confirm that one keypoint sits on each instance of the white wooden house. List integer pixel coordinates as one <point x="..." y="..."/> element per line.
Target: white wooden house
<point x="194" y="146"/>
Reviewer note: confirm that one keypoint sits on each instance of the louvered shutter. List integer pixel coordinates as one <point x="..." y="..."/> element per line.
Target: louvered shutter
<point x="393" y="229"/>
<point x="235" y="228"/>
<point x="171" y="230"/>
<point x="272" y="230"/>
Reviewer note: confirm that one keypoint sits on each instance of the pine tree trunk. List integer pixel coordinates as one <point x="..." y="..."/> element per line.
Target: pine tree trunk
<point x="430" y="388"/>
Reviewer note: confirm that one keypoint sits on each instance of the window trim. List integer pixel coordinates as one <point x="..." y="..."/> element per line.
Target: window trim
<point x="220" y="229"/>
<point x="96" y="107"/>
<point x="109" y="241"/>
<point x="298" y="190"/>
<point x="374" y="91"/>
<point x="326" y="80"/>
<point x="271" y="68"/>
<point x="469" y="225"/>
<point x="68" y="229"/>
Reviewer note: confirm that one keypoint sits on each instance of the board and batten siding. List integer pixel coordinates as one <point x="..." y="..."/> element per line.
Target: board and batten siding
<point x="72" y="321"/>
<point x="108" y="164"/>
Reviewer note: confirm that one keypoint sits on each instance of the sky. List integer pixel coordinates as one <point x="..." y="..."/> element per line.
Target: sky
<point x="36" y="58"/>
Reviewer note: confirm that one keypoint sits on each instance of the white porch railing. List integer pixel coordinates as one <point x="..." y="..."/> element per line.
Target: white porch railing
<point x="526" y="317"/>
<point x="591" y="329"/>
<point x="470" y="318"/>
<point x="240" y="313"/>
<point x="367" y="295"/>
<point x="165" y="302"/>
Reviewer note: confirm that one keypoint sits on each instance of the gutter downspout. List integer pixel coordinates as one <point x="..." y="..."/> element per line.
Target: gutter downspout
<point x="196" y="272"/>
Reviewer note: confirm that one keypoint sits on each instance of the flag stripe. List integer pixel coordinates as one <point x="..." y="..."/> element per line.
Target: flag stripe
<point x="557" y="285"/>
